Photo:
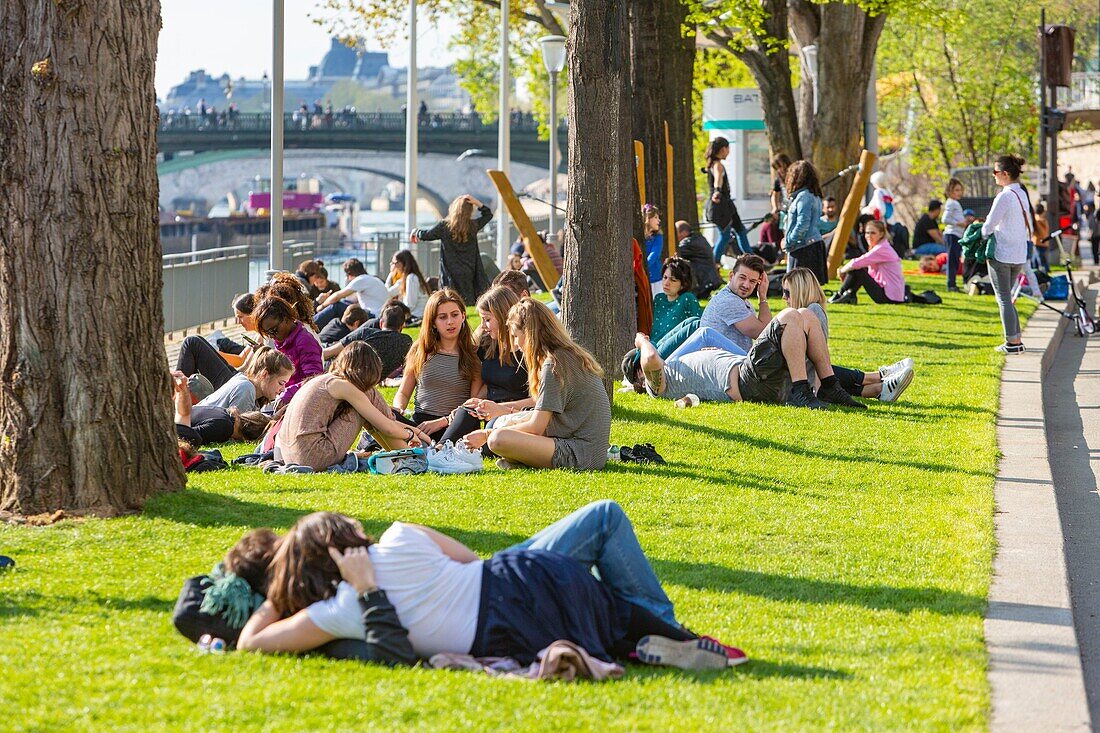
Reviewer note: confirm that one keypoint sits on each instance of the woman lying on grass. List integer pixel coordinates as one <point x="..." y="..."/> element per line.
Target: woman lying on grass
<point x="570" y="425"/>
<point x="514" y="604"/>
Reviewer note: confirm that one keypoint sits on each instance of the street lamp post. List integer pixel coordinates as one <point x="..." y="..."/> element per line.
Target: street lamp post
<point x="275" y="246"/>
<point x="412" y="144"/>
<point x="504" y="140"/>
<point x="553" y="56"/>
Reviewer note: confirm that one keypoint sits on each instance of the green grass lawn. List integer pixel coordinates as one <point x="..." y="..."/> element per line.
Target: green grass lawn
<point x="848" y="552"/>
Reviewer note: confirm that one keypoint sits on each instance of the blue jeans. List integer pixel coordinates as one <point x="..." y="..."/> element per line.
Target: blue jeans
<point x="724" y="238"/>
<point x="954" y="253"/>
<point x="705" y="338"/>
<point x="330" y="313"/>
<point x="600" y="535"/>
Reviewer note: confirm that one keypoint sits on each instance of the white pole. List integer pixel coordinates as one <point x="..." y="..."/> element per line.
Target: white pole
<point x="503" y="137"/>
<point x="870" y="119"/>
<point x="412" y="115"/>
<point x="275" y="247"/>
<point x="553" y="154"/>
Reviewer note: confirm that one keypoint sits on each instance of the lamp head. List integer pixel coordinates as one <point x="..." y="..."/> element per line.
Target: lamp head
<point x="553" y="53"/>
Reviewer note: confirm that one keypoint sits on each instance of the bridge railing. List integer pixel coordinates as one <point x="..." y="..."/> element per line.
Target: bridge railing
<point x="174" y="121"/>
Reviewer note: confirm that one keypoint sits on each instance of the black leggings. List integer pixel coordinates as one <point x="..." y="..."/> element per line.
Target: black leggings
<point x="197" y="356"/>
<point x="643" y="623"/>
<point x="461" y="425"/>
<point x="855" y="279"/>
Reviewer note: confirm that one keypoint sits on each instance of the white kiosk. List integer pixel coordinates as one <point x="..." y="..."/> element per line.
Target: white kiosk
<point x="737" y="115"/>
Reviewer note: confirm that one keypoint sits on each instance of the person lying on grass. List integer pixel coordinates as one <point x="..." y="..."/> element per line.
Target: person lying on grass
<point x="326" y="416"/>
<point x="514" y="604"/>
<point x="570" y="424"/>
<point x="709" y="366"/>
<point x="201" y="425"/>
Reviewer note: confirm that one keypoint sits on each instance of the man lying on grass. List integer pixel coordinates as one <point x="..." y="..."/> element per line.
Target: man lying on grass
<point x="327" y="580"/>
<point x="709" y="366"/>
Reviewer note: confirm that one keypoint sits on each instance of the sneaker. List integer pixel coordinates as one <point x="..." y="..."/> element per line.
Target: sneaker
<point x="895" y="384"/>
<point x="845" y="296"/>
<point x="734" y="656"/>
<point x="896" y="368"/>
<point x="835" y="395"/>
<point x="1011" y="348"/>
<point x="691" y="654"/>
<point x="450" y="458"/>
<point x="803" y="396"/>
<point x="504" y="464"/>
<point x="952" y="289"/>
<point x="471" y="456"/>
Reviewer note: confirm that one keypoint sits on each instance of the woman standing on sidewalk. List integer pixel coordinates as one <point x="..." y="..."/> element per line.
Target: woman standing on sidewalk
<point x="1010" y="223"/>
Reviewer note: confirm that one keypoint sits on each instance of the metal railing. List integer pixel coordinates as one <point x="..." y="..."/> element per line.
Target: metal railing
<point x="172" y="121"/>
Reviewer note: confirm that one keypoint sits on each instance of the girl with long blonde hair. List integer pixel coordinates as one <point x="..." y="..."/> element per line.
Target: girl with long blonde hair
<point x="570" y="425"/>
<point x="460" y="265"/>
<point x="442" y="367"/>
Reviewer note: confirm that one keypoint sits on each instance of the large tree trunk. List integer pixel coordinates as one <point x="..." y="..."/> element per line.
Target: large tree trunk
<point x="846" y="39"/>
<point x="662" y="65"/>
<point x="84" y="387"/>
<point x="598" y="307"/>
<point x="769" y="63"/>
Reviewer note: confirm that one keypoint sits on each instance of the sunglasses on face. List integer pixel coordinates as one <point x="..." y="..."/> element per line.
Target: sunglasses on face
<point x="786" y="293"/>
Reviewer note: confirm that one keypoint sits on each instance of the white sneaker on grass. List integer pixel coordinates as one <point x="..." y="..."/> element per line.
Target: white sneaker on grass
<point x="895" y="384"/>
<point x="896" y="368"/>
<point x="449" y="458"/>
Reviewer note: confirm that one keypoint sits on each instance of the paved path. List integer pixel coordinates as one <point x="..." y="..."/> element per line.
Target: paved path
<point x="1035" y="669"/>
<point x="1071" y="395"/>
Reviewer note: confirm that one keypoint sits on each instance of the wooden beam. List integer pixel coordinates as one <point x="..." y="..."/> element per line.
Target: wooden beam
<point x="670" y="215"/>
<point x="850" y="212"/>
<point x="543" y="264"/>
<point x="639" y="164"/>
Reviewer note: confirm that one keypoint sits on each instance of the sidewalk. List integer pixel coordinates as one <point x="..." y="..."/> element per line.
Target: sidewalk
<point x="1035" y="669"/>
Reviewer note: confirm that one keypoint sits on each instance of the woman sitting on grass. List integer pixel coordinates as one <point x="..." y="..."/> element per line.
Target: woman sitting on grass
<point x="570" y="425"/>
<point x="262" y="378"/>
<point x="802" y="291"/>
<point x="442" y="368"/>
<point x="329" y="411"/>
<point x="504" y="377"/>
<point x="406" y="283"/>
<point x="878" y="272"/>
<point x="202" y="425"/>
<point x="675" y="303"/>
<point x="279" y="320"/>
<point x="513" y="604"/>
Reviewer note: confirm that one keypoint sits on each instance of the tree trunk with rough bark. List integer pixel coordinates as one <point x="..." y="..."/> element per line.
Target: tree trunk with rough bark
<point x="598" y="307"/>
<point x="846" y="38"/>
<point x="662" y="66"/>
<point x="85" y="396"/>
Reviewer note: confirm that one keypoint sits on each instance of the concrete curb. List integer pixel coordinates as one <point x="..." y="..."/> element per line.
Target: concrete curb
<point x="1034" y="670"/>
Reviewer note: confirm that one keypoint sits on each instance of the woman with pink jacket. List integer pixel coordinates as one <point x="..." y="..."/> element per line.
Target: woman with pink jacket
<point x="878" y="272"/>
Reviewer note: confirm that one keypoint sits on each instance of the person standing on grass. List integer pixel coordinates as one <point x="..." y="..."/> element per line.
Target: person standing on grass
<point x="954" y="225"/>
<point x="570" y="425"/>
<point x="460" y="265"/>
<point x="802" y="238"/>
<point x="720" y="209"/>
<point x="1009" y="222"/>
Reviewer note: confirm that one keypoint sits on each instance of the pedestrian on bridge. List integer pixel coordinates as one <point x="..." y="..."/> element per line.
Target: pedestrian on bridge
<point x="460" y="262"/>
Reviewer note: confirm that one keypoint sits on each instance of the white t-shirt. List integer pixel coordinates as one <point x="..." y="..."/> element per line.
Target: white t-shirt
<point x="371" y="292"/>
<point x="436" y="598"/>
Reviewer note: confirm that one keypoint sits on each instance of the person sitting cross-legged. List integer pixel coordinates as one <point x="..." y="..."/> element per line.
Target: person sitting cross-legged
<point x="773" y="370"/>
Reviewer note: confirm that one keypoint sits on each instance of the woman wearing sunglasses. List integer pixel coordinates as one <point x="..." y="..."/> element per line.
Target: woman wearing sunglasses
<point x="278" y="320"/>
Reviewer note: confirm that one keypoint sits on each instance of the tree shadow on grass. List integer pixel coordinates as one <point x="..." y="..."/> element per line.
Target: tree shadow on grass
<point x="756" y="443"/>
<point x="720" y="474"/>
<point x="707" y="576"/>
<point x="30" y="603"/>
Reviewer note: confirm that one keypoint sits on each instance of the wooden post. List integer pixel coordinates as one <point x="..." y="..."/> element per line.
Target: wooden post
<point x="670" y="215"/>
<point x="639" y="162"/>
<point x="850" y="212"/>
<point x="543" y="264"/>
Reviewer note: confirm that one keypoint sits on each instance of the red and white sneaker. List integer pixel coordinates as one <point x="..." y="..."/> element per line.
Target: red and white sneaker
<point x="734" y="656"/>
<point x="694" y="654"/>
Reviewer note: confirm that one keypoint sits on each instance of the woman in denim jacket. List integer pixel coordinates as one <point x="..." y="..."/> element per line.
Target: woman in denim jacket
<point x="802" y="238"/>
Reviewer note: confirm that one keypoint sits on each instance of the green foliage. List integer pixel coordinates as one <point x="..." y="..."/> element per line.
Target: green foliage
<point x="958" y="85"/>
<point x="713" y="68"/>
<point x="848" y="552"/>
